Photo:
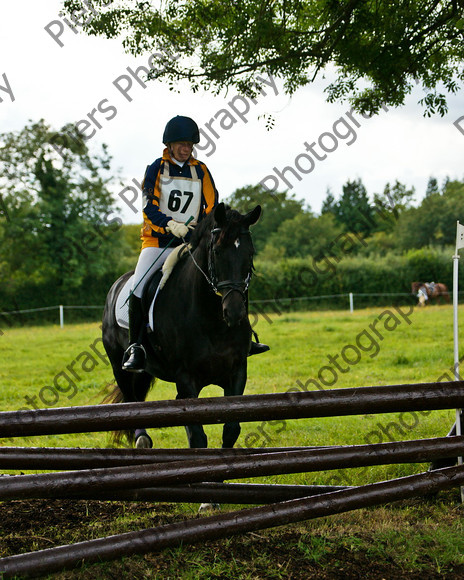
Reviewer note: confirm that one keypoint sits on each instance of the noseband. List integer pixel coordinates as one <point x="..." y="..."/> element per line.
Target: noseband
<point x="240" y="286"/>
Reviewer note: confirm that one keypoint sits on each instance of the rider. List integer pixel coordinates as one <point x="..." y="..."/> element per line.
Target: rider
<point x="176" y="187"/>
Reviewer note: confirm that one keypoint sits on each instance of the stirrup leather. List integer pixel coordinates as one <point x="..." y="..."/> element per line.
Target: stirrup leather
<point x="256" y="346"/>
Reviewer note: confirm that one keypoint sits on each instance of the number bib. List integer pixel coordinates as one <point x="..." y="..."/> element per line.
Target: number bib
<point x="180" y="196"/>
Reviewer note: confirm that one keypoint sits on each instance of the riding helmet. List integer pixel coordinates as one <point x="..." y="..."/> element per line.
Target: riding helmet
<point x="181" y="129"/>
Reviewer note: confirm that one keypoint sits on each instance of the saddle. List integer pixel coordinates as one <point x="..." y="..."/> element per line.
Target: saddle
<point x="154" y="285"/>
<point x="430" y="287"/>
<point x="121" y="308"/>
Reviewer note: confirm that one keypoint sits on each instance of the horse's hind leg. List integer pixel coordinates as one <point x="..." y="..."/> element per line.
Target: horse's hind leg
<point x="129" y="387"/>
<point x="132" y="388"/>
<point x="140" y="385"/>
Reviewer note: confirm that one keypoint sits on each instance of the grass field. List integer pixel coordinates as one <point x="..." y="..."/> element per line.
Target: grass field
<point x="54" y="367"/>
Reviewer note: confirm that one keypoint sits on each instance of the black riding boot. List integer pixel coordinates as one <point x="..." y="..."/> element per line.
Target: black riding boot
<point x="257" y="347"/>
<point x="135" y="355"/>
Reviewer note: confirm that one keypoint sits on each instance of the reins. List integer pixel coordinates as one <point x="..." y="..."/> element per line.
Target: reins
<point x="197" y="265"/>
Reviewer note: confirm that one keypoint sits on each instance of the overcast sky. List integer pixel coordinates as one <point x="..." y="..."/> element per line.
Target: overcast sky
<point x="67" y="83"/>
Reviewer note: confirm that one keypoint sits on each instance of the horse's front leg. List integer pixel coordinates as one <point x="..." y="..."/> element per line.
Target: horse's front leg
<point x="187" y="389"/>
<point x="196" y="436"/>
<point x="236" y="386"/>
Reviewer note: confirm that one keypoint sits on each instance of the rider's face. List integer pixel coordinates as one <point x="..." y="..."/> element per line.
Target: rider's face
<point x="181" y="150"/>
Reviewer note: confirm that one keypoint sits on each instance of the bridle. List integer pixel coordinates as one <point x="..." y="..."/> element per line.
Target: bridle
<point x="240" y="286"/>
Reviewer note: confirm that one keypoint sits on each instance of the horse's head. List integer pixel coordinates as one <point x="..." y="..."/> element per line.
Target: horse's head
<point x="231" y="259"/>
<point x="415" y="287"/>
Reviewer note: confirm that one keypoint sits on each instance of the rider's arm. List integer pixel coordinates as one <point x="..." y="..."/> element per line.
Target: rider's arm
<point x="151" y="195"/>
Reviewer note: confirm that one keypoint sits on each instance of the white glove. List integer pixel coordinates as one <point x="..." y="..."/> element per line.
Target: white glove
<point x="177" y="229"/>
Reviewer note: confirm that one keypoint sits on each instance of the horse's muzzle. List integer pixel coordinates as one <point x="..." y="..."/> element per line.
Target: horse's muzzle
<point x="233" y="306"/>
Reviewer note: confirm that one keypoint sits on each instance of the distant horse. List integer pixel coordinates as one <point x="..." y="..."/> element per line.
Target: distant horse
<point x="426" y="290"/>
<point x="201" y="332"/>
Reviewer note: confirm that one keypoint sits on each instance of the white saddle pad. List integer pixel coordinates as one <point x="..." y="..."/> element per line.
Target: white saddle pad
<point x="122" y="302"/>
<point x="121" y="308"/>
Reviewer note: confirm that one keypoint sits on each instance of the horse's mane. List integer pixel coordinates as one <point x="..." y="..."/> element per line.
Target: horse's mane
<point x="198" y="233"/>
<point x="206" y="225"/>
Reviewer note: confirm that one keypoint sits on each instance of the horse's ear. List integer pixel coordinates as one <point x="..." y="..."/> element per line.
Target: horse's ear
<point x="220" y="215"/>
<point x="253" y="216"/>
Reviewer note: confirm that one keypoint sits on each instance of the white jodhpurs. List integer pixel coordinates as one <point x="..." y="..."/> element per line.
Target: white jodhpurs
<point x="150" y="260"/>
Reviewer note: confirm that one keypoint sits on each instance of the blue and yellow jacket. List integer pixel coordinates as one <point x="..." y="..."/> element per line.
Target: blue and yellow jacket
<point x="153" y="232"/>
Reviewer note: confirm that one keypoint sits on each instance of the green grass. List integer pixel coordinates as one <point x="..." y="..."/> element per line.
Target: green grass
<point x="54" y="367"/>
<point x="413" y="536"/>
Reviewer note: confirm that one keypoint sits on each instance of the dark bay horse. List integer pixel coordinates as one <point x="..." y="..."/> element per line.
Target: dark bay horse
<point x="201" y="333"/>
<point x="426" y="290"/>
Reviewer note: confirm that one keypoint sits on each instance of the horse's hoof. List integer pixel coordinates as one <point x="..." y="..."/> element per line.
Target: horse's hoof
<point x="209" y="507"/>
<point x="143" y="442"/>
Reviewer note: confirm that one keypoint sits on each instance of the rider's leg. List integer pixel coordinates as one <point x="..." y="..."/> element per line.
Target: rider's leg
<point x="136" y="352"/>
<point x="150" y="260"/>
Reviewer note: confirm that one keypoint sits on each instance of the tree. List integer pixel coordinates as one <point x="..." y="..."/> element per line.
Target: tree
<point x="277" y="208"/>
<point x="305" y="235"/>
<point x="353" y="210"/>
<point x="328" y="205"/>
<point x="58" y="222"/>
<point x="432" y="187"/>
<point x="433" y="223"/>
<point x="378" y="51"/>
<point x="391" y="204"/>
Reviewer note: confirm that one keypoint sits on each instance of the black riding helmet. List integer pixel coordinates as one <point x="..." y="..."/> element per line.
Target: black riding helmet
<point x="181" y="129"/>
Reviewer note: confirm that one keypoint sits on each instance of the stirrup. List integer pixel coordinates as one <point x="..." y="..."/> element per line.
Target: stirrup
<point x="135" y="362"/>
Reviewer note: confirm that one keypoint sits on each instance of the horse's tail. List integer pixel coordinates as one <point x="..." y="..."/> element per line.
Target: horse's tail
<point x="113" y="394"/>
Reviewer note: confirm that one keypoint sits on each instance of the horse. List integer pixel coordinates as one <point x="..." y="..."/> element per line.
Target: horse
<point x="426" y="290"/>
<point x="201" y="331"/>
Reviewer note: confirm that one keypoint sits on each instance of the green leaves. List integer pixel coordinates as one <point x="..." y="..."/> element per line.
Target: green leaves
<point x="56" y="203"/>
<point x="377" y="49"/>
